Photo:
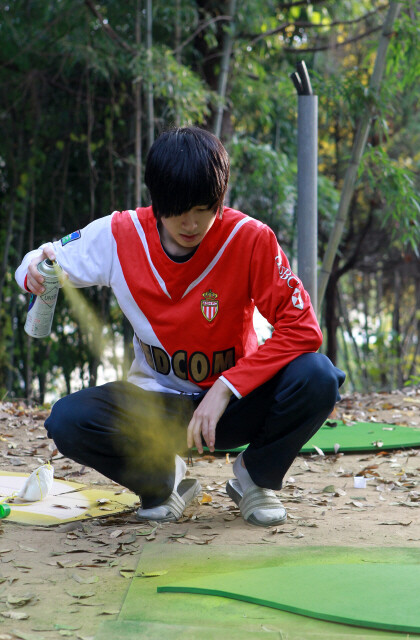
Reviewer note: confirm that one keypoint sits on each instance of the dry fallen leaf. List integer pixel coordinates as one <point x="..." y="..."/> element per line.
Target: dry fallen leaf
<point x="206" y="498"/>
<point x="107" y="612"/>
<point x="146" y="533"/>
<point x="319" y="451"/>
<point x="178" y="535"/>
<point x="67" y="627"/>
<point x="84" y="580"/>
<point x="392" y="522"/>
<point x="356" y="503"/>
<point x="68" y="564"/>
<point x="329" y="489"/>
<point x="14" y="615"/>
<point x="80" y="596"/>
<point x="20" y="601"/>
<point x="127" y="573"/>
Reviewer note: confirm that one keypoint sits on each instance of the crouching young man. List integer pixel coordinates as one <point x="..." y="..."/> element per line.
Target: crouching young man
<point x="188" y="272"/>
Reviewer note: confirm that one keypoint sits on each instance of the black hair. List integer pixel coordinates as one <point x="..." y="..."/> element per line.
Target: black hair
<point x="186" y="167"/>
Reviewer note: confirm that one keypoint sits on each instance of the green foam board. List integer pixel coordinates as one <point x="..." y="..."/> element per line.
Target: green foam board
<point x="145" y="612"/>
<point x="378" y="595"/>
<point x="361" y="436"/>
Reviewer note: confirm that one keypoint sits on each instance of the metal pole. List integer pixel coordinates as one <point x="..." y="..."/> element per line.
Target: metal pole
<point x="307" y="201"/>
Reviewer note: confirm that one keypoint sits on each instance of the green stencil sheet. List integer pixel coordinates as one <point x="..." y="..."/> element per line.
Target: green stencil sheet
<point x="153" y="616"/>
<point x="361" y="436"/>
<point x="346" y="593"/>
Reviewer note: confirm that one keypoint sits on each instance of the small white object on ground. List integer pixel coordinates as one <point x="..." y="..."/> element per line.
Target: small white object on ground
<point x="38" y="485"/>
<point x="359" y="482"/>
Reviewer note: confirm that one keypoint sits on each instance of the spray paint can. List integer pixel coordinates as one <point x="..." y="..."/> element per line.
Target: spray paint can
<point x="4" y="510"/>
<point x="41" y="308"/>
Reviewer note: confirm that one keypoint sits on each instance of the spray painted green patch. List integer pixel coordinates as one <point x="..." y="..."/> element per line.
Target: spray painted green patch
<point x="361" y="436"/>
<point x="146" y="613"/>
<point x="126" y="630"/>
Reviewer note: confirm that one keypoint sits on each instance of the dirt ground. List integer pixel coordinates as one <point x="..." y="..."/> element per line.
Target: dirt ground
<point x="63" y="581"/>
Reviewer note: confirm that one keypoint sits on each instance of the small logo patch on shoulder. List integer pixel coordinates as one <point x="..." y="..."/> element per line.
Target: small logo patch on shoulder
<point x="297" y="299"/>
<point x="70" y="237"/>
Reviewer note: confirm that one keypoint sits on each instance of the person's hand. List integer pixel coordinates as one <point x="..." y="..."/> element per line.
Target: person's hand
<point x="207" y="415"/>
<point x="34" y="281"/>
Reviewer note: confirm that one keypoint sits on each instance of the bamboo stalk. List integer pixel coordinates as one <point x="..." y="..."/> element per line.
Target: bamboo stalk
<point x="356" y="156"/>
<point x="224" y="71"/>
<point x="149" y="92"/>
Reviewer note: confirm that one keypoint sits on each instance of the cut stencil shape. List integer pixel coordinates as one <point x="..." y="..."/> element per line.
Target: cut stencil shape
<point x="377" y="596"/>
<point x="67" y="501"/>
<point x="361" y="436"/>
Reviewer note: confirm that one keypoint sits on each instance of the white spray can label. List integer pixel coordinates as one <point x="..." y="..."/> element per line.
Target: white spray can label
<point x="41" y="308"/>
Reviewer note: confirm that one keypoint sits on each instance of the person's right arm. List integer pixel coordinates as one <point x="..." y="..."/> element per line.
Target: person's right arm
<point x="86" y="260"/>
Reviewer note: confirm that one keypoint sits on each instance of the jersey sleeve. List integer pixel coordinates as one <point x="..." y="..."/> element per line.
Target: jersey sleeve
<point x="282" y="300"/>
<point x="86" y="255"/>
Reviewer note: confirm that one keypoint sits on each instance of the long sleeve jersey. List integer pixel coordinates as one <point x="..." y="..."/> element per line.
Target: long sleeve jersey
<point x="193" y="321"/>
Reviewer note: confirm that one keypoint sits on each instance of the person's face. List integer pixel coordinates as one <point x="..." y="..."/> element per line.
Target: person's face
<point x="180" y="234"/>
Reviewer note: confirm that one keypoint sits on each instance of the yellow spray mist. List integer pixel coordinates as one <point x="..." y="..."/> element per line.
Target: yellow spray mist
<point x="149" y="427"/>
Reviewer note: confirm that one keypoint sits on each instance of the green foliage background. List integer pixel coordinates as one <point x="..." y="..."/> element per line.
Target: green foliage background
<point x="69" y="72"/>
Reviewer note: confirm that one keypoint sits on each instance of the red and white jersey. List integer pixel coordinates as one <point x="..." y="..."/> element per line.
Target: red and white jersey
<point x="193" y="321"/>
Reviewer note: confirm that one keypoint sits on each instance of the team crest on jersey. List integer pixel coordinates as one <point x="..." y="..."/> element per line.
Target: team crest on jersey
<point x="209" y="305"/>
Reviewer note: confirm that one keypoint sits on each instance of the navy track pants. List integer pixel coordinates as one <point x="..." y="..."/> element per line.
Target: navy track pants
<point x="131" y="435"/>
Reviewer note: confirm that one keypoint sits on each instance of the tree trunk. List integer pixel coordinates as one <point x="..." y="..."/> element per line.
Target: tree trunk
<point x="331" y="317"/>
<point x="93" y="365"/>
<point x="29" y="359"/>
<point x="93" y="175"/>
<point x="67" y="378"/>
<point x="128" y="347"/>
<point x="137" y="103"/>
<point x="42" y="377"/>
<point x="58" y="219"/>
<point x="111" y="152"/>
<point x="381" y="355"/>
<point x="177" y="53"/>
<point x="348" y="369"/>
<point x="130" y="190"/>
<point x="356" y="156"/>
<point x="414" y="369"/>
<point x="13" y="306"/>
<point x="224" y="69"/>
<point x="359" y="363"/>
<point x="396" y="330"/>
<point x="149" y="96"/>
<point x="5" y="260"/>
